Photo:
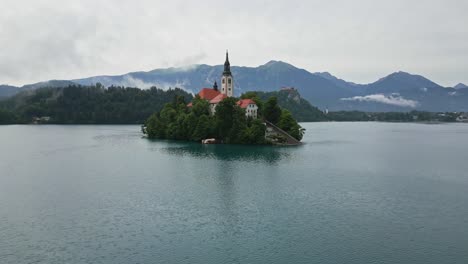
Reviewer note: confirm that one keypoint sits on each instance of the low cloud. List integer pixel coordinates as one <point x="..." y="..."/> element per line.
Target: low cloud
<point x="393" y="99"/>
<point x="130" y="81"/>
<point x="55" y="39"/>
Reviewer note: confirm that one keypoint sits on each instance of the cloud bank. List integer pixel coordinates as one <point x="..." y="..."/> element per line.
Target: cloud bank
<point x="130" y="81"/>
<point x="361" y="42"/>
<point x="393" y="99"/>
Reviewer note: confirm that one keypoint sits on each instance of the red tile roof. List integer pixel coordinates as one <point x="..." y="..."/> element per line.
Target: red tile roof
<point x="190" y="104"/>
<point x="208" y="94"/>
<point x="218" y="98"/>
<point x="245" y="102"/>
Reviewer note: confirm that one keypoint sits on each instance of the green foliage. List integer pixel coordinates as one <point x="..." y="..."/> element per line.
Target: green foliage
<point x="93" y="104"/>
<point x="291" y="100"/>
<point x="119" y="105"/>
<point x="290" y="125"/>
<point x="203" y="128"/>
<point x="155" y="128"/>
<point x="349" y="116"/>
<point x="254" y="133"/>
<point x="227" y="113"/>
<point x="7" y="117"/>
<point x="413" y="116"/>
<point x="229" y="123"/>
<point x="282" y="116"/>
<point x="255" y="97"/>
<point x="200" y="106"/>
<point x="272" y="111"/>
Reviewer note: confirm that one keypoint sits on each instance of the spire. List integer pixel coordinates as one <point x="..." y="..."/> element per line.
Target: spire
<point x="227" y="65"/>
<point x="215" y="86"/>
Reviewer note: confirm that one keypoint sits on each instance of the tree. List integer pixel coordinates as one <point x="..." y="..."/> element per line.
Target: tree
<point x="290" y="125"/>
<point x="225" y="116"/>
<point x="271" y="111"/>
<point x="200" y="106"/>
<point x="254" y="133"/>
<point x="202" y="129"/>
<point x="154" y="127"/>
<point x="7" y="117"/>
<point x="92" y="104"/>
<point x="249" y="95"/>
<point x="239" y="125"/>
<point x="168" y="113"/>
<point x="255" y="97"/>
<point x="229" y="123"/>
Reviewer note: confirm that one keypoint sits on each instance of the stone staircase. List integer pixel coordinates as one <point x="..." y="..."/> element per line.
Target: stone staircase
<point x="274" y="131"/>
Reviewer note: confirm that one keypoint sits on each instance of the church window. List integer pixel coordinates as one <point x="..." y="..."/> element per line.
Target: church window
<point x="229" y="80"/>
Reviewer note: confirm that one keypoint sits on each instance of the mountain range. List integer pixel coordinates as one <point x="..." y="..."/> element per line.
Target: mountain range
<point x="399" y="91"/>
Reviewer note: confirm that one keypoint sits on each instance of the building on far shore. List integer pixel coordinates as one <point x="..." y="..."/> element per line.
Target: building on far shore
<point x="41" y="119"/>
<point x="250" y="107"/>
<point x="463" y="117"/>
<point x="214" y="96"/>
<point x="288" y="89"/>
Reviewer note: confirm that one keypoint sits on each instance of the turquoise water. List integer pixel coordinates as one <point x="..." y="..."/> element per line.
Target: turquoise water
<point x="354" y="193"/>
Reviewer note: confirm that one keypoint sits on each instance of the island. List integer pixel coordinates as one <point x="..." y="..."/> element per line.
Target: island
<point x="216" y="116"/>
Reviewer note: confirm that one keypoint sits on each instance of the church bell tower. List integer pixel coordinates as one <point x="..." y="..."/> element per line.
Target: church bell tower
<point x="227" y="82"/>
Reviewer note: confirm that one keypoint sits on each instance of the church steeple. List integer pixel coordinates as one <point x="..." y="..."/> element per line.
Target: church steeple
<point x="227" y="81"/>
<point x="215" y="86"/>
<point x="227" y="65"/>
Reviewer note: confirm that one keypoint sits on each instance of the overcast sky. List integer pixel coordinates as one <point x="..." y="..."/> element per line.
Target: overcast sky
<point x="360" y="40"/>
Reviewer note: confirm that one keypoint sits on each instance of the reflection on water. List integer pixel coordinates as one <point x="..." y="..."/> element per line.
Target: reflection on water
<point x="329" y="142"/>
<point x="359" y="192"/>
<point x="266" y="154"/>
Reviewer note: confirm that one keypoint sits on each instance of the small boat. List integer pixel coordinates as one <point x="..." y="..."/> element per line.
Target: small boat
<point x="210" y="141"/>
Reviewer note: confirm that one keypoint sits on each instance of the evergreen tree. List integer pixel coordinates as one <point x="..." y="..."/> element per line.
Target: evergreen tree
<point x="290" y="125"/>
<point x="154" y="127"/>
<point x="7" y="117"/>
<point x="225" y="117"/>
<point x="254" y="133"/>
<point x="202" y="129"/>
<point x="92" y="104"/>
<point x="272" y="111"/>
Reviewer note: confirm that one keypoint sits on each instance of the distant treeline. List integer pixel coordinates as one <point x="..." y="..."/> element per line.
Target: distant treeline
<point x="291" y="100"/>
<point x="413" y="116"/>
<point x="120" y="105"/>
<point x="87" y="105"/>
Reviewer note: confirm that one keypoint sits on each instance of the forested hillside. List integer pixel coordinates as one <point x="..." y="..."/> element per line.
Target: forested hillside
<point x="88" y="104"/>
<point x="291" y="100"/>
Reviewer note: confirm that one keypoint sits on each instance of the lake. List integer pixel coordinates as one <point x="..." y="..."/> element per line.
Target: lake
<point x="353" y="193"/>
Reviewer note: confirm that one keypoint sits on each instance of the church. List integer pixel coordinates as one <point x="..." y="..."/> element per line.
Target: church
<point x="215" y="96"/>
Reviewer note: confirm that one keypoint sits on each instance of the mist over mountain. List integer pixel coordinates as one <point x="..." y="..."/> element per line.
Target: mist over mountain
<point x="399" y="91"/>
<point x="7" y="91"/>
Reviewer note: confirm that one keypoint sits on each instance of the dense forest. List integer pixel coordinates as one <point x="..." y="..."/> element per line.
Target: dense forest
<point x="7" y="117"/>
<point x="229" y="123"/>
<point x="87" y="105"/>
<point x="119" y="105"/>
<point x="413" y="116"/>
<point x="303" y="111"/>
<point x="290" y="99"/>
